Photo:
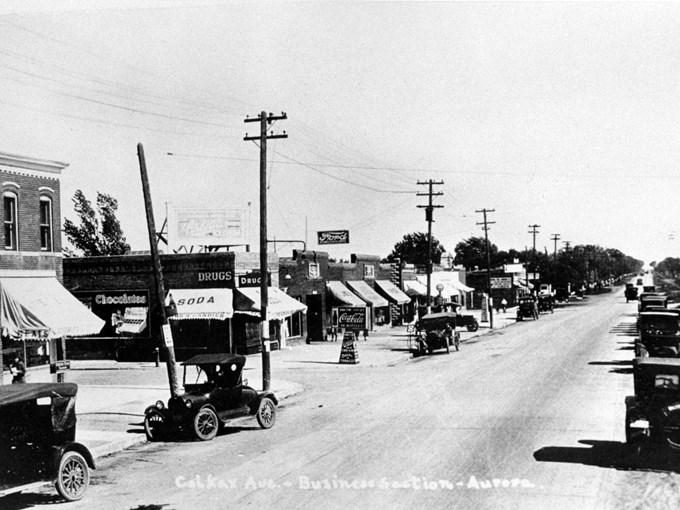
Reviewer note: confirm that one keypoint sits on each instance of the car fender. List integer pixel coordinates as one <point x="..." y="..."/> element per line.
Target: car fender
<point x="59" y="451"/>
<point x="269" y="394"/>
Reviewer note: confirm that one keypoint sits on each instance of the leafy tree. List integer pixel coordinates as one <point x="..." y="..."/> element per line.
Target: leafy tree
<point x="472" y="252"/>
<point x="99" y="231"/>
<point x="412" y="249"/>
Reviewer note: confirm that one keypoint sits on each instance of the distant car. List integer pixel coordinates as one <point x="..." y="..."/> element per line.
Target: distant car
<point x="545" y="303"/>
<point x="639" y="281"/>
<point x="214" y="394"/>
<point x="653" y="412"/>
<point x="649" y="288"/>
<point x="631" y="293"/>
<point x="527" y="308"/>
<point x="647" y="299"/>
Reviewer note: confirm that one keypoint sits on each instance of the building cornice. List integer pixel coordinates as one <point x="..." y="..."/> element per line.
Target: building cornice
<point x="31" y="164"/>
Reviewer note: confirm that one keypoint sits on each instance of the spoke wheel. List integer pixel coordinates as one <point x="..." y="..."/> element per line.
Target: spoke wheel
<point x="206" y="424"/>
<point x="73" y="476"/>
<point x="153" y="425"/>
<point x="266" y="413"/>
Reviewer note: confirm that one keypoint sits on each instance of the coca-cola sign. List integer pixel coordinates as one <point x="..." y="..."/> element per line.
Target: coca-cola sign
<point x="350" y="317"/>
<point x="333" y="237"/>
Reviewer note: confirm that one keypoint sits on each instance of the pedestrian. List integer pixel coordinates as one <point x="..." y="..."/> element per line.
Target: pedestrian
<point x="504" y="304"/>
<point x="18" y="370"/>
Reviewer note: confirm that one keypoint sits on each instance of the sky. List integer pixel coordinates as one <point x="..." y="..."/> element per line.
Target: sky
<point x="564" y="115"/>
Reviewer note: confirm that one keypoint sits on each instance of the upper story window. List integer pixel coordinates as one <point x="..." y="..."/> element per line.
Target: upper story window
<point x="11" y="223"/>
<point x="45" y="224"/>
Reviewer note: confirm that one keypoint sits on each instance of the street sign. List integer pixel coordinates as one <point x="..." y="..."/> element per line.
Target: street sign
<point x="501" y="282"/>
<point x="167" y="335"/>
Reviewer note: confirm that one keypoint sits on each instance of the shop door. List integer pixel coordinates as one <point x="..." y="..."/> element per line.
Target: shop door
<point x="314" y="317"/>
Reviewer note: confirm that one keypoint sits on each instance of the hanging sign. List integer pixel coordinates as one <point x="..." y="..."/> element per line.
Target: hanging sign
<point x="349" y="353"/>
<point x="353" y="318"/>
<point x="333" y="237"/>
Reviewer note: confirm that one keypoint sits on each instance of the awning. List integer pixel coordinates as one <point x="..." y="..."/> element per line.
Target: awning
<point x="392" y="292"/>
<point x="279" y="304"/>
<point x="521" y="282"/>
<point x="41" y="307"/>
<point x="366" y="292"/>
<point x="460" y="285"/>
<point x="134" y="320"/>
<point x="452" y="285"/>
<point x="414" y="288"/>
<point x="201" y="303"/>
<point x="344" y="295"/>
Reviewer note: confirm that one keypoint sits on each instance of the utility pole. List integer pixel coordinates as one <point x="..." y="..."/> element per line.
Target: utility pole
<point x="534" y="231"/>
<point x="264" y="119"/>
<point x="429" y="208"/>
<point x="555" y="237"/>
<point x="158" y="274"/>
<point x="567" y="245"/>
<point x="485" y="228"/>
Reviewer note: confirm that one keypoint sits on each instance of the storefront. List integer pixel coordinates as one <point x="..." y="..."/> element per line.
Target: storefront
<point x="37" y="314"/>
<point x="396" y="297"/>
<point x="379" y="307"/>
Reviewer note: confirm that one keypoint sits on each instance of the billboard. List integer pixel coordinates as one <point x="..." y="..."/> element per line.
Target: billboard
<point x="333" y="237"/>
<point x="350" y="317"/>
<point x="206" y="227"/>
<point x="125" y="312"/>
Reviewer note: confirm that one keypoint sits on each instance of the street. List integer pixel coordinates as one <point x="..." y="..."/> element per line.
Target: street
<point x="530" y="416"/>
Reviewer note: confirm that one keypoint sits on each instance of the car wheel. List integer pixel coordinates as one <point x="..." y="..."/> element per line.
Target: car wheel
<point x="266" y="413"/>
<point x="206" y="424"/>
<point x="73" y="476"/>
<point x="474" y="326"/>
<point x="153" y="425"/>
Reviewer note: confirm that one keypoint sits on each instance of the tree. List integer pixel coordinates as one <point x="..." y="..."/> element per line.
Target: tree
<point x="99" y="232"/>
<point x="412" y="249"/>
<point x="471" y="253"/>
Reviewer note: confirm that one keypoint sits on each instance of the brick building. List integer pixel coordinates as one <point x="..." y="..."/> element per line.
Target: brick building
<point x="34" y="307"/>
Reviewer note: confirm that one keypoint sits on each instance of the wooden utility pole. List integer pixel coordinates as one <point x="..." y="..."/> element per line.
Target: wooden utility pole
<point x="534" y="231"/>
<point x="555" y="237"/>
<point x="485" y="228"/>
<point x="264" y="121"/>
<point x="429" y="208"/>
<point x="158" y="273"/>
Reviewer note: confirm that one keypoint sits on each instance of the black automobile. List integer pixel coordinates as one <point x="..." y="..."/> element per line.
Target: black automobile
<point x="527" y="308"/>
<point x="37" y="440"/>
<point x="648" y="299"/>
<point x="435" y="331"/>
<point x="631" y="292"/>
<point x="214" y="394"/>
<point x="659" y="335"/>
<point x="546" y="303"/>
<point x="653" y="413"/>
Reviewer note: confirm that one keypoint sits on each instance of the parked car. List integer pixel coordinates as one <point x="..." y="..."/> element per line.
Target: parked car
<point x="648" y="299"/>
<point x="649" y="288"/>
<point x="659" y="335"/>
<point x="639" y="281"/>
<point x="631" y="292"/>
<point x="214" y="394"/>
<point x="653" y="412"/>
<point x="545" y="303"/>
<point x="37" y="440"/>
<point x="435" y="331"/>
<point x="527" y="308"/>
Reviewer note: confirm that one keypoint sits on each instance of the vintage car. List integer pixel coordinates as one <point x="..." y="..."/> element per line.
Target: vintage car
<point x="214" y="394"/>
<point x="648" y="299"/>
<point x="653" y="413"/>
<point x="435" y="331"/>
<point x="631" y="292"/>
<point x="649" y="288"/>
<point x="37" y="440"/>
<point x="546" y="303"/>
<point x="468" y="322"/>
<point x="659" y="334"/>
<point x="527" y="308"/>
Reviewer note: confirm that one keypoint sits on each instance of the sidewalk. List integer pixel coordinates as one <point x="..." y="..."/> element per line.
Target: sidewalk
<point x="112" y="396"/>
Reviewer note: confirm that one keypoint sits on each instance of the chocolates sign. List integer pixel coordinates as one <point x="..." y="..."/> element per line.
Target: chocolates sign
<point x="333" y="237"/>
<point x="350" y="317"/>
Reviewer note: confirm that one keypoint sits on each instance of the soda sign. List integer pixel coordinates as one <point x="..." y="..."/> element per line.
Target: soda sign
<point x="333" y="237"/>
<point x="350" y="317"/>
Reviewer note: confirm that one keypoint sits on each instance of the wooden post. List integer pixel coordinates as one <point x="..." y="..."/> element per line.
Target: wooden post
<point x="157" y="272"/>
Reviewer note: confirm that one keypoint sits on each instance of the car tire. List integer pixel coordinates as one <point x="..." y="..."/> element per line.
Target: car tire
<point x="206" y="424"/>
<point x="73" y="476"/>
<point x="154" y="423"/>
<point x="472" y="327"/>
<point x="266" y="413"/>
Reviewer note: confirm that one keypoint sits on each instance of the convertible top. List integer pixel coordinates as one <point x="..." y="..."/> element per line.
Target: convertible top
<point x="216" y="359"/>
<point x="438" y="315"/>
<point x="16" y="393"/>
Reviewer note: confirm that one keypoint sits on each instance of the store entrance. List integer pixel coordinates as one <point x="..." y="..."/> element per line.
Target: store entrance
<point x="314" y="317"/>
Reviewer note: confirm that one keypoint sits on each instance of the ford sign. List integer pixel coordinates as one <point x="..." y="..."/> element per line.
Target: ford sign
<point x="333" y="237"/>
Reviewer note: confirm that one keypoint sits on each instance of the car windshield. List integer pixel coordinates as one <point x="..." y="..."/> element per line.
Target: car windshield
<point x="671" y="382"/>
<point x="193" y="374"/>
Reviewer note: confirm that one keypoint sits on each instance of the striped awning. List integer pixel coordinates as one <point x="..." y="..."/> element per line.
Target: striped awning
<point x="279" y="304"/>
<point x="392" y="292"/>
<point x="365" y="292"/>
<point x="344" y="295"/>
<point x="40" y="308"/>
